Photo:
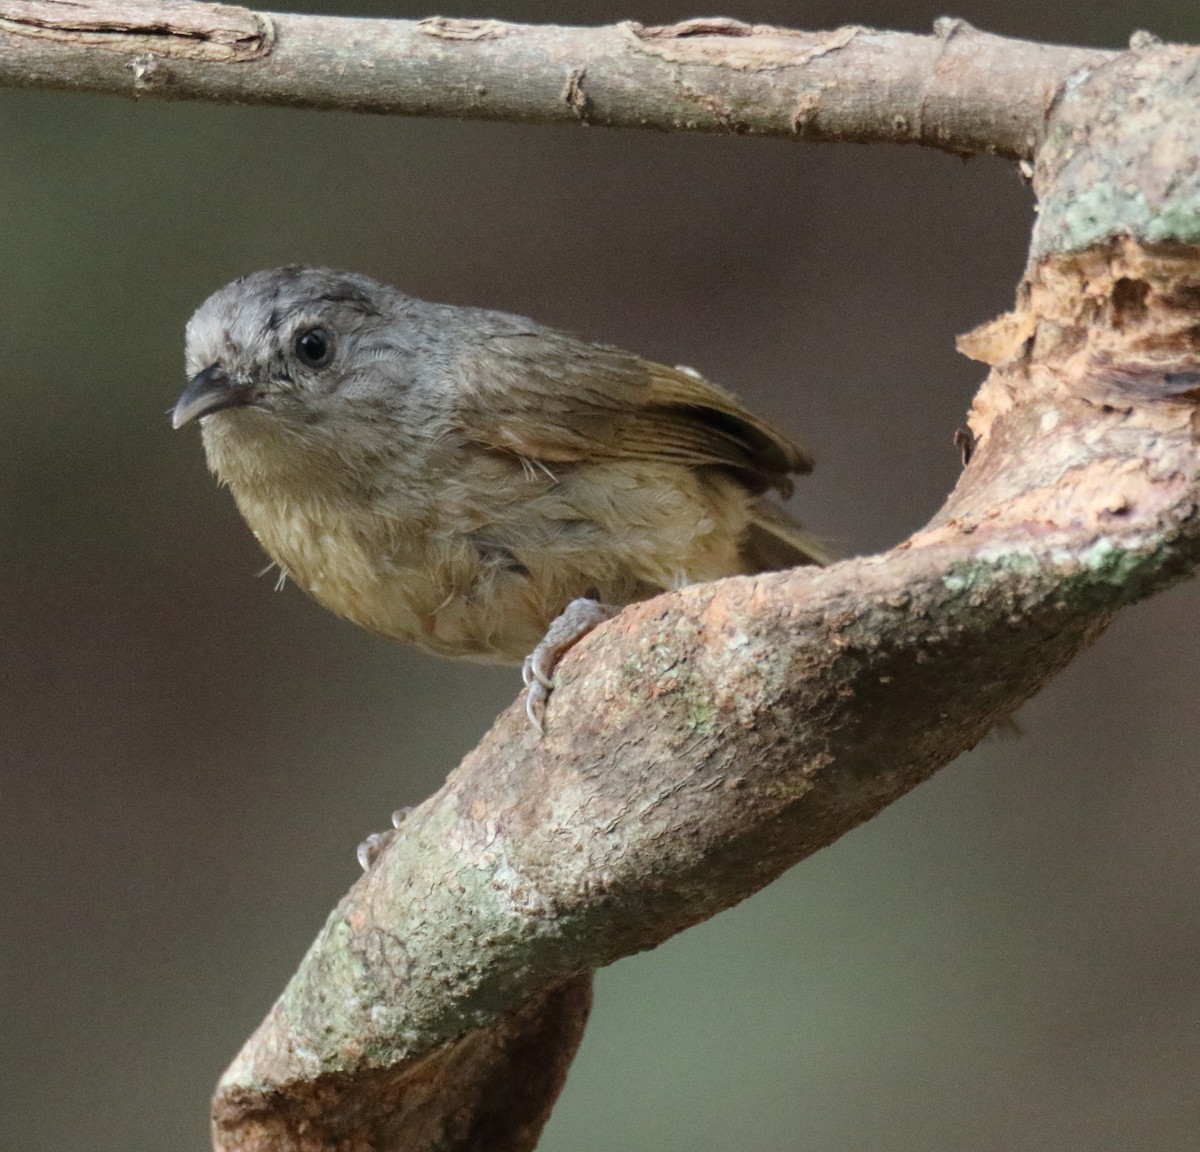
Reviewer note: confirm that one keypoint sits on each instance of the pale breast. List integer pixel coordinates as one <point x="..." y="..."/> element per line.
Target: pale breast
<point x="479" y="564"/>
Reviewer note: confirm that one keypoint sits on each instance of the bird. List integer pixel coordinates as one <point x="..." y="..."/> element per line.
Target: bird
<point x="469" y="481"/>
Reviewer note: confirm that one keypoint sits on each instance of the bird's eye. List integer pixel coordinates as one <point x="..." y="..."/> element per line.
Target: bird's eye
<point x="314" y="347"/>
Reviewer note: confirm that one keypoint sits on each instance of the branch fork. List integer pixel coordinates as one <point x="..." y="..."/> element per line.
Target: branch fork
<point x="702" y="742"/>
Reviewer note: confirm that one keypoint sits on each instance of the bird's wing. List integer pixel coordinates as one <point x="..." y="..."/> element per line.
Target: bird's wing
<point x="546" y="396"/>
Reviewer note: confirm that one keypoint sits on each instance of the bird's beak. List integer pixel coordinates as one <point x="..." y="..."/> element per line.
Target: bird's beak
<point x="209" y="391"/>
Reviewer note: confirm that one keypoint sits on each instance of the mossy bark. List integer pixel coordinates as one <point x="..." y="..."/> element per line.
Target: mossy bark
<point x="703" y="742"/>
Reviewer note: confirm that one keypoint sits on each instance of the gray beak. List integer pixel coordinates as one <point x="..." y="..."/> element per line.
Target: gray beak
<point x="209" y="391"/>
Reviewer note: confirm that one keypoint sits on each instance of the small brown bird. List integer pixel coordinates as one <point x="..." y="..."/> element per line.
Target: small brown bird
<point x="457" y="478"/>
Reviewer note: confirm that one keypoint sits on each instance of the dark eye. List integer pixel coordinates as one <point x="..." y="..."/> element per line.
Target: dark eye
<point x="314" y="347"/>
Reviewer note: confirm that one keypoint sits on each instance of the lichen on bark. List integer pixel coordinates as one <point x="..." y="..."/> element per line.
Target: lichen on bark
<point x="703" y="742"/>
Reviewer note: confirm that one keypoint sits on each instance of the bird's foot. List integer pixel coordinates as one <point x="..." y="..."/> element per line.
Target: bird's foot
<point x="565" y="631"/>
<point x="372" y="847"/>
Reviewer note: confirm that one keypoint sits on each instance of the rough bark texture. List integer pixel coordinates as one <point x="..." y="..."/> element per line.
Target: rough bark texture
<point x="958" y="89"/>
<point x="703" y="742"/>
<point x="504" y="1079"/>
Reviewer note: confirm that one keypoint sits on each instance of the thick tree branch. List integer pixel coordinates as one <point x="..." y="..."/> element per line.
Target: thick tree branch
<point x="703" y="742"/>
<point x="959" y="89"/>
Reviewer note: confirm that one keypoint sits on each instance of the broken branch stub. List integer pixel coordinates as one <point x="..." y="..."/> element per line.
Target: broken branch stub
<point x="704" y="741"/>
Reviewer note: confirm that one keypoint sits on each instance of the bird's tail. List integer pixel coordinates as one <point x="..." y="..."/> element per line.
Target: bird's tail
<point x="775" y="541"/>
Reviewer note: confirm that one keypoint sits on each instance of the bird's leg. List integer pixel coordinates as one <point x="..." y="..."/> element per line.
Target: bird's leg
<point x="566" y="630"/>
<point x="372" y="847"/>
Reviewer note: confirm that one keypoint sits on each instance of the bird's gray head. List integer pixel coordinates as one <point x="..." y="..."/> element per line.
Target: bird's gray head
<point x="291" y="343"/>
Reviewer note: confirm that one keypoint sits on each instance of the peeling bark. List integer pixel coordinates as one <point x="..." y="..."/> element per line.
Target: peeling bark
<point x="702" y="742"/>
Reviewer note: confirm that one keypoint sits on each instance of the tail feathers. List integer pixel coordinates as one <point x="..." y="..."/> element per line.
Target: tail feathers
<point x="775" y="541"/>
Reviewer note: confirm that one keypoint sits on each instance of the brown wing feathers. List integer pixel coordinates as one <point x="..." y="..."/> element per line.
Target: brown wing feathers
<point x="606" y="403"/>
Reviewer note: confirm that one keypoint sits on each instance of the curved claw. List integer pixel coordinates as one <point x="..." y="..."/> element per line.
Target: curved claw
<point x="539" y="666"/>
<point x="535" y="705"/>
<point x="370" y="849"/>
<point x="566" y="630"/>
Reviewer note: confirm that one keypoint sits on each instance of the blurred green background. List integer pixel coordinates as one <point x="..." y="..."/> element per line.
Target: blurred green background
<point x="1006" y="959"/>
